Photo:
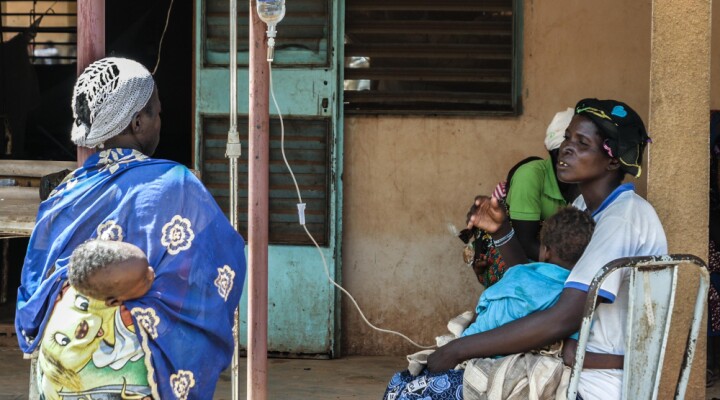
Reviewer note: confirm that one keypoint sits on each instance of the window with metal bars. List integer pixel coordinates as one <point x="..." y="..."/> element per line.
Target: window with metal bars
<point x="306" y="148"/>
<point x="303" y="34"/>
<point x="54" y="23"/>
<point x="303" y="44"/>
<point x="432" y="57"/>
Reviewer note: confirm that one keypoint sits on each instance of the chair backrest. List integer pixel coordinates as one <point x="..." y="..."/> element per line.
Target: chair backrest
<point x="651" y="300"/>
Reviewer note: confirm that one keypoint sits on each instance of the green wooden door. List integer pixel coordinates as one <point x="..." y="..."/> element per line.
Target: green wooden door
<point x="302" y="306"/>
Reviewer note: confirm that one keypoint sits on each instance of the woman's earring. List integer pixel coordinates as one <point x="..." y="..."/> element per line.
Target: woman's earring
<point x="607" y="148"/>
<point x="101" y="146"/>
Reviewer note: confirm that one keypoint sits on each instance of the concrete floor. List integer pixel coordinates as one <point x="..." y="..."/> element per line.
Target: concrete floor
<point x="289" y="379"/>
<point x="713" y="392"/>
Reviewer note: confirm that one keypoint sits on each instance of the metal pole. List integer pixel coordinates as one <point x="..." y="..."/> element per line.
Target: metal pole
<point x="233" y="152"/>
<point x="5" y="270"/>
<point x="258" y="187"/>
<point x="90" y="45"/>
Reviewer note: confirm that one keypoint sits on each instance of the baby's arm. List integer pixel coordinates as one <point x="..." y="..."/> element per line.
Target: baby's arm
<point x="592" y="360"/>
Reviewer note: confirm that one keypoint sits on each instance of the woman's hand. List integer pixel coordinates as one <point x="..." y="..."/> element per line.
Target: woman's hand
<point x="442" y="359"/>
<point x="486" y="214"/>
<point x="480" y="266"/>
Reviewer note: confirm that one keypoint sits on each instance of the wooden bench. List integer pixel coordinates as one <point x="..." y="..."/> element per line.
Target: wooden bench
<point x="19" y="202"/>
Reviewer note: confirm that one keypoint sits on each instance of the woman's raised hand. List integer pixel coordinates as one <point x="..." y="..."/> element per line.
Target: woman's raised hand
<point x="486" y="214"/>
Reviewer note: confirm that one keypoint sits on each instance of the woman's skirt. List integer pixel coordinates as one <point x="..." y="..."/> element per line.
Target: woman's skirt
<point x="447" y="385"/>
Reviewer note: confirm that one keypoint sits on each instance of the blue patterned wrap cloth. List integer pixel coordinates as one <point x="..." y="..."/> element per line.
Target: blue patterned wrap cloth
<point x="185" y="321"/>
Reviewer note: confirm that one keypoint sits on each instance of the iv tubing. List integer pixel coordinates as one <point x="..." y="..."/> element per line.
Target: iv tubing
<point x="302" y="219"/>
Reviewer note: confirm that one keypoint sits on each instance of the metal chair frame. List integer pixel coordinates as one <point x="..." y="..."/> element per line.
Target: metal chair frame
<point x="644" y="357"/>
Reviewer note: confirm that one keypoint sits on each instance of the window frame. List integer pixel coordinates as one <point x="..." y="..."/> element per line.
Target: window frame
<point x="33" y="15"/>
<point x="515" y="92"/>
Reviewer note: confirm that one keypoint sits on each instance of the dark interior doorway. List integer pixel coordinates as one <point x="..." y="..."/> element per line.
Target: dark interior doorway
<point x="133" y="30"/>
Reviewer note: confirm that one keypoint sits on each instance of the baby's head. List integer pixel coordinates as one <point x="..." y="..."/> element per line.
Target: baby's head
<point x="110" y="271"/>
<point x="565" y="235"/>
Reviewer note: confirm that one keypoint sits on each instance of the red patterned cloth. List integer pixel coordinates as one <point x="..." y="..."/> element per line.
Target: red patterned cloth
<point x="496" y="265"/>
<point x="500" y="191"/>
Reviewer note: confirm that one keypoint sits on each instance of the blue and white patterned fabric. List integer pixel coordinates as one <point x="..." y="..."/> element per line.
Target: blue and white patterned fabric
<point x="446" y="385"/>
<point x="185" y="321"/>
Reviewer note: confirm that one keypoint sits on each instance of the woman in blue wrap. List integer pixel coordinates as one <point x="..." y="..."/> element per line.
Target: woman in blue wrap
<point x="171" y="343"/>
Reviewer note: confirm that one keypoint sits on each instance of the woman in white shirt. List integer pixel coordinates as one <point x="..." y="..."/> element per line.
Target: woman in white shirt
<point x="605" y="141"/>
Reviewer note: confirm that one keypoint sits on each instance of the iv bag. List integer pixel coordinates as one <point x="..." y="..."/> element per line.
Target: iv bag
<point x="271" y="11"/>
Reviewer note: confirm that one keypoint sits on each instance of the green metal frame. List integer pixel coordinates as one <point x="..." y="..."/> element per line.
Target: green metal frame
<point x="304" y="308"/>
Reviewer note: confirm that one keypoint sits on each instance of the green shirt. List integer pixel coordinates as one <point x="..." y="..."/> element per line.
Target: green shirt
<point x="534" y="193"/>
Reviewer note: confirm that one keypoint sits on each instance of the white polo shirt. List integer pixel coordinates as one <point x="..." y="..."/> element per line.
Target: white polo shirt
<point x="626" y="226"/>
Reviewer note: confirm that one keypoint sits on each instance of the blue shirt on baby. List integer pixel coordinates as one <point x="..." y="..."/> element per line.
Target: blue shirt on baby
<point x="523" y="290"/>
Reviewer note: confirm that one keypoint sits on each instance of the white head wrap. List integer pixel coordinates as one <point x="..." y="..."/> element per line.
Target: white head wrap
<point x="556" y="130"/>
<point x="113" y="90"/>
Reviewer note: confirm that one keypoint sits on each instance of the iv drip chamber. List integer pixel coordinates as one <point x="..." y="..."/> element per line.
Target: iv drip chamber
<point x="271" y="11"/>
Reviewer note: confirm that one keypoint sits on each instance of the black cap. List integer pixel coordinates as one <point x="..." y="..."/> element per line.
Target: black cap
<point x="621" y="126"/>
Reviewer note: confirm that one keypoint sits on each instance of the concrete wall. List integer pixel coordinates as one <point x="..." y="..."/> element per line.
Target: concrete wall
<point x="407" y="178"/>
<point x="679" y="103"/>
<point x="715" y="57"/>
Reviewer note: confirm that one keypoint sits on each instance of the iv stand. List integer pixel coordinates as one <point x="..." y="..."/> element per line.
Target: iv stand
<point x="258" y="193"/>
<point x="258" y="207"/>
<point x="233" y="152"/>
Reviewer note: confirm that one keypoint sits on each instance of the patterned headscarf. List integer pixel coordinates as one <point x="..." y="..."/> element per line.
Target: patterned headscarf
<point x="107" y="95"/>
<point x="623" y="129"/>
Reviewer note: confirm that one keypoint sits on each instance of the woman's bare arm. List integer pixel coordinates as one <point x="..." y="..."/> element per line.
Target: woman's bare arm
<point x="528" y="233"/>
<point x="592" y="360"/>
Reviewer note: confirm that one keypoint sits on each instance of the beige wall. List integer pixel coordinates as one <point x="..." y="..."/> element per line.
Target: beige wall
<point x="715" y="57"/>
<point x="679" y="103"/>
<point x="407" y="178"/>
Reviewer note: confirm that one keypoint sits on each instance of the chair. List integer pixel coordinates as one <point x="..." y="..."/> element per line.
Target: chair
<point x="651" y="292"/>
